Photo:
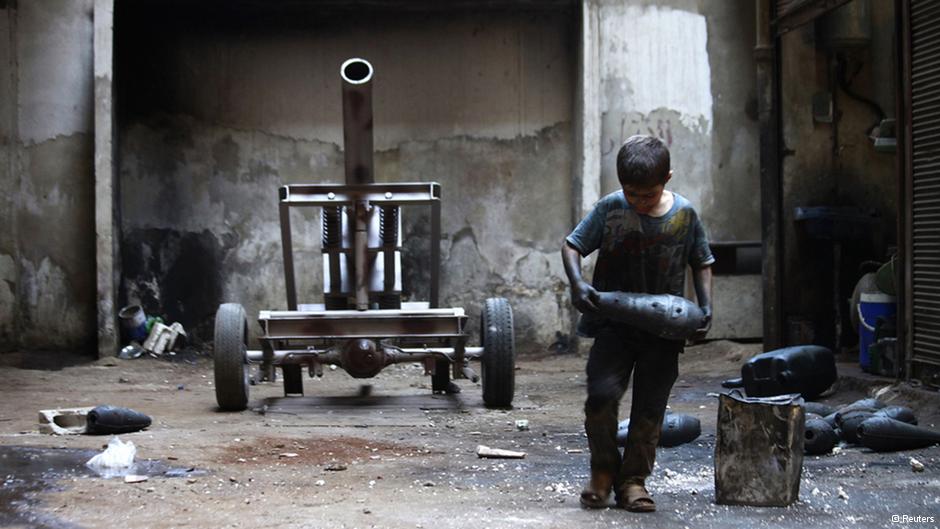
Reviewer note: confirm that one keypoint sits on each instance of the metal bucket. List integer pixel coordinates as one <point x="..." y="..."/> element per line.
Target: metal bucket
<point x="759" y="450"/>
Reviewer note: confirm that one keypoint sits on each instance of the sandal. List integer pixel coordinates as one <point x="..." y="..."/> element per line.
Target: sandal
<point x="597" y="492"/>
<point x="635" y="498"/>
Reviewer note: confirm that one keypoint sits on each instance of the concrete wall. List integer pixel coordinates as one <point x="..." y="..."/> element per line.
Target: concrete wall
<point x="683" y="70"/>
<point x="8" y="181"/>
<point x="47" y="256"/>
<point x="834" y="164"/>
<point x="213" y="118"/>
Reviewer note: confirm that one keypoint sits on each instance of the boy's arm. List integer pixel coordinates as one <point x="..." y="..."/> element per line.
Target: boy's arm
<point x="702" y="280"/>
<point x="582" y="294"/>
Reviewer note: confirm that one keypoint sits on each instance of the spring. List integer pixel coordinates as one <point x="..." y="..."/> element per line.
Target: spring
<point x="388" y="225"/>
<point x="332" y="226"/>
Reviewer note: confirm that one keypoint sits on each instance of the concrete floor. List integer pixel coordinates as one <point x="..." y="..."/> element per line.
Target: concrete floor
<point x="401" y="458"/>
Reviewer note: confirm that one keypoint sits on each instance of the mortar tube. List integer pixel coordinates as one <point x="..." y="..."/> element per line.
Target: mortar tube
<point x="357" y="120"/>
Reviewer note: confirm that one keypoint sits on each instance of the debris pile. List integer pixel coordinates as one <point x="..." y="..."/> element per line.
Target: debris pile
<point x="147" y="334"/>
<point x="92" y="421"/>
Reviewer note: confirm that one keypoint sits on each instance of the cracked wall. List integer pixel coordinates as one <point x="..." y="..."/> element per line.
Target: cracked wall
<point x="47" y="256"/>
<point x="217" y="118"/>
<point x="213" y="119"/>
<point x="8" y="181"/>
<point x="683" y="71"/>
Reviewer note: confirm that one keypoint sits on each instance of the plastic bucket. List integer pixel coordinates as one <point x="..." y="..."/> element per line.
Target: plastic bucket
<point x="134" y="323"/>
<point x="870" y="306"/>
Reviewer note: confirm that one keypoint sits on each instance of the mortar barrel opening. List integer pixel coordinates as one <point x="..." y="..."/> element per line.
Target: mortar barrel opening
<point x="356" y="71"/>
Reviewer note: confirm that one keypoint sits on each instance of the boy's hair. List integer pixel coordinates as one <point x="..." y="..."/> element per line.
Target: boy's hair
<point x="643" y="161"/>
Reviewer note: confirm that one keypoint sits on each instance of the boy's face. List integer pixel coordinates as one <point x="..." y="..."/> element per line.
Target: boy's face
<point x="644" y="199"/>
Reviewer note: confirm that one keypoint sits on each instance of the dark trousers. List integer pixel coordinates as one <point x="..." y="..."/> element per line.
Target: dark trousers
<point x="654" y="364"/>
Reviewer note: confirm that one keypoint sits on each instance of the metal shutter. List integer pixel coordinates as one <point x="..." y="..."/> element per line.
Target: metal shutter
<point x="925" y="182"/>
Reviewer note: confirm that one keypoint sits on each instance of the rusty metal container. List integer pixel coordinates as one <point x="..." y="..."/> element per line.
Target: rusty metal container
<point x="759" y="450"/>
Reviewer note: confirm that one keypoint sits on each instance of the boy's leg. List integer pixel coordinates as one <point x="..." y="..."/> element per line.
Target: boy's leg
<point x="608" y="371"/>
<point x="655" y="370"/>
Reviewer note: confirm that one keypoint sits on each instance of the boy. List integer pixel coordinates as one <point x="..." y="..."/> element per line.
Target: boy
<point x="645" y="236"/>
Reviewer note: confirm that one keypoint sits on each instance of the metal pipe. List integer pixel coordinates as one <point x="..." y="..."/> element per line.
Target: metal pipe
<point x="360" y="247"/>
<point x="357" y="120"/>
<point x="287" y="248"/>
<point x="357" y="145"/>
<point x="435" y="289"/>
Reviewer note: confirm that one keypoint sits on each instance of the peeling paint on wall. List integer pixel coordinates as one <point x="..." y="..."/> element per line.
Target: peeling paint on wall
<point x="54" y="50"/>
<point x="691" y="153"/>
<point x="504" y="203"/>
<point x="669" y="69"/>
<point x="47" y="280"/>
<point x="9" y="182"/>
<point x="7" y="300"/>
<point x="203" y="155"/>
<point x="679" y="70"/>
<point x="52" y="320"/>
<point x="54" y="218"/>
<point x="177" y="275"/>
<point x="656" y="58"/>
<point x="505" y="207"/>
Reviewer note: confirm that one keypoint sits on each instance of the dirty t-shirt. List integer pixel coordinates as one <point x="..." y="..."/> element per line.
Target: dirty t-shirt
<point x="639" y="253"/>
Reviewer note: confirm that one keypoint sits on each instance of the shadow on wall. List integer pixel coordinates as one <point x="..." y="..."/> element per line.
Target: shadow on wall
<point x="176" y="275"/>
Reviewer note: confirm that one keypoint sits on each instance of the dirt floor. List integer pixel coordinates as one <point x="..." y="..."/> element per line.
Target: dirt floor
<point x="391" y="455"/>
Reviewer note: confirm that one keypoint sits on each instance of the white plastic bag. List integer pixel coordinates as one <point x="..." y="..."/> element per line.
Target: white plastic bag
<point x="116" y="460"/>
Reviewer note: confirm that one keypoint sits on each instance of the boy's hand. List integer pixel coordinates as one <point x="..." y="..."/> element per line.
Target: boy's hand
<point x="583" y="296"/>
<point x="706" y="325"/>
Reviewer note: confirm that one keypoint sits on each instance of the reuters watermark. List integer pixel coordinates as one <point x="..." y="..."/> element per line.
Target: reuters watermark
<point x="907" y="518"/>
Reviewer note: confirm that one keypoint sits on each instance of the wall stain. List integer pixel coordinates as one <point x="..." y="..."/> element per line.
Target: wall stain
<point x="503" y="199"/>
<point x="176" y="275"/>
<point x="225" y="155"/>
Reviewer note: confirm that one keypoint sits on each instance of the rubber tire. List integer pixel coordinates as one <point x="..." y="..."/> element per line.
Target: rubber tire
<point x="498" y="374"/>
<point x="230" y="357"/>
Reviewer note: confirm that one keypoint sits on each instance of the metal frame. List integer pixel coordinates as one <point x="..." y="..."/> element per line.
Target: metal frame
<point x="916" y="366"/>
<point x="361" y="234"/>
<point x="355" y="195"/>
<point x="315" y="337"/>
<point x="318" y="337"/>
<point x="358" y="246"/>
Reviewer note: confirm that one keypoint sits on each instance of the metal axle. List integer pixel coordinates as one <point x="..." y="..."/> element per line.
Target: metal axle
<point x="331" y="355"/>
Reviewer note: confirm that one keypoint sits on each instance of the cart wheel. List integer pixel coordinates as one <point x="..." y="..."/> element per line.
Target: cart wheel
<point x="231" y="361"/>
<point x="499" y="351"/>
